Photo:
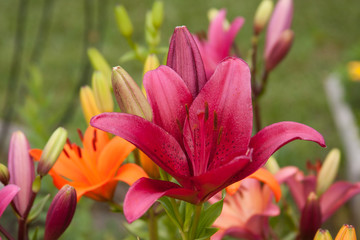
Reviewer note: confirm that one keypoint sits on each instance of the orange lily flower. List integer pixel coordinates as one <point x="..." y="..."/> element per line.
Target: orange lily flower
<point x="95" y="169"/>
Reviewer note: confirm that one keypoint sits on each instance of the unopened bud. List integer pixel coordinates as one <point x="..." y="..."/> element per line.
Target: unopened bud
<point x="310" y="220"/>
<point x="4" y="174"/>
<point x="151" y="63"/>
<point x="157" y="13"/>
<point x="36" y="185"/>
<point x="328" y="171"/>
<point x="60" y="213"/>
<point x="51" y="151"/>
<point x="88" y="103"/>
<point x="272" y="165"/>
<point x="347" y="232"/>
<point x="279" y="50"/>
<point x="123" y="21"/>
<point x="102" y="93"/>
<point x="322" y="234"/>
<point x="262" y="15"/>
<point x="99" y="63"/>
<point x="129" y="96"/>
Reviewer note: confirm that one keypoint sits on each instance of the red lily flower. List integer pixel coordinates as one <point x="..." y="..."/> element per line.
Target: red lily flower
<point x="204" y="141"/>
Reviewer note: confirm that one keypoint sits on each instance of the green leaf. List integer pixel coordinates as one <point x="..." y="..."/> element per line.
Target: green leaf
<point x="37" y="208"/>
<point x="207" y="233"/>
<point x="209" y="215"/>
<point x="35" y="236"/>
<point x="165" y="202"/>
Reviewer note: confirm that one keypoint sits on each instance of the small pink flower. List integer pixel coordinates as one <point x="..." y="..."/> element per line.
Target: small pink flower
<point x="219" y="41"/>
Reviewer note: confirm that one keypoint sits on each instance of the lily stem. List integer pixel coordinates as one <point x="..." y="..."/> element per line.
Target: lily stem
<point x="195" y="222"/>
<point x="152" y="223"/>
<point x="6" y="233"/>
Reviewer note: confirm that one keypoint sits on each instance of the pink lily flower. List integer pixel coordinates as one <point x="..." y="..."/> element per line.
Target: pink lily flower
<point x="246" y="213"/>
<point x="333" y="198"/>
<point x="21" y="169"/>
<point x="7" y="194"/>
<point x="205" y="141"/>
<point x="219" y="41"/>
<point x="279" y="36"/>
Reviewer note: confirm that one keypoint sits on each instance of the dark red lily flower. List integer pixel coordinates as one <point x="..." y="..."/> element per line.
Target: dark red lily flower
<point x="201" y="139"/>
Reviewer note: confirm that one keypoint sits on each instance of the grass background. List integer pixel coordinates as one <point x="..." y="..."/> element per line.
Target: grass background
<point x="324" y="31"/>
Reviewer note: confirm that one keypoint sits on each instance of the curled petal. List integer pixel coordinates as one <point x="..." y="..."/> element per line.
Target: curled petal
<point x="7" y="194"/>
<point x="272" y="137"/>
<point x="143" y="193"/>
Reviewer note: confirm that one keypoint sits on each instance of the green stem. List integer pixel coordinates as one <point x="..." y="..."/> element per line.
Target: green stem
<point x="195" y="222"/>
<point x="153" y="226"/>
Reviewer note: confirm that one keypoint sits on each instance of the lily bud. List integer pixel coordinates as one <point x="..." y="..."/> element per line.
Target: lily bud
<point x="272" y="165"/>
<point x="51" y="151"/>
<point x="310" y="220"/>
<point x="152" y="35"/>
<point x="151" y="63"/>
<point x="61" y="212"/>
<point x="99" y="63"/>
<point x="328" y="171"/>
<point x="279" y="50"/>
<point x="4" y="174"/>
<point x="88" y="103"/>
<point x="262" y="15"/>
<point x="128" y="94"/>
<point x="347" y="232"/>
<point x="157" y="13"/>
<point x="322" y="234"/>
<point x="185" y="59"/>
<point x="102" y="93"/>
<point x="123" y="21"/>
<point x="21" y="169"/>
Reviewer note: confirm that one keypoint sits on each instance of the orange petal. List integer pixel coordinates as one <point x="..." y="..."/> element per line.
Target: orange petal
<point x="232" y="189"/>
<point x="113" y="154"/>
<point x="266" y="177"/>
<point x="149" y="166"/>
<point x="130" y="173"/>
<point x="94" y="147"/>
<point x="35" y="154"/>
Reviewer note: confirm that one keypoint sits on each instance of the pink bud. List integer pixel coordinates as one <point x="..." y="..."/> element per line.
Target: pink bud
<point x="61" y="212"/>
<point x="310" y="220"/>
<point x="184" y="57"/>
<point x="280" y="21"/>
<point x="21" y="169"/>
<point x="279" y="50"/>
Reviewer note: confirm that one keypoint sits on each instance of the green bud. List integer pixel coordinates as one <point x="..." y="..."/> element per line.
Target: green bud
<point x="151" y="63"/>
<point x="262" y="15"/>
<point x="4" y="174"/>
<point x="322" y="234"/>
<point x="123" y="21"/>
<point x="157" y="13"/>
<point x="51" y="151"/>
<point x="128" y="94"/>
<point x="36" y="185"/>
<point x="99" y="63"/>
<point x="272" y="165"/>
<point x="328" y="171"/>
<point x="102" y="92"/>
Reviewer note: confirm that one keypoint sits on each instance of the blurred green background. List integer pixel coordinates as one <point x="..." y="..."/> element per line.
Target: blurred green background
<point x="40" y="87"/>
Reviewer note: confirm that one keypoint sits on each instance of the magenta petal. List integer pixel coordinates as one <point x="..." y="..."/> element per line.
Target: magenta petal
<point x="184" y="57"/>
<point x="144" y="192"/>
<point x="227" y="95"/>
<point x="7" y="194"/>
<point x="215" y="180"/>
<point x="336" y="196"/>
<point x="168" y="95"/>
<point x="221" y="40"/>
<point x="156" y="143"/>
<point x="273" y="137"/>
